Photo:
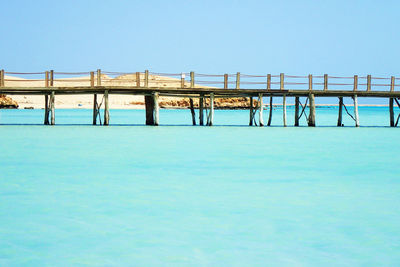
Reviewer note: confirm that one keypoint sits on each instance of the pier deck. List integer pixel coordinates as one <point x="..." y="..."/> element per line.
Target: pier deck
<point x="153" y="85"/>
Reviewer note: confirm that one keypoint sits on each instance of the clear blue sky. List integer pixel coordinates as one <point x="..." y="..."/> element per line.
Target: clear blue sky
<point x="294" y="37"/>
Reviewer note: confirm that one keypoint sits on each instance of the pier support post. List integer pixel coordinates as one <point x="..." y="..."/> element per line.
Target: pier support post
<point x="311" y="117"/>
<point x="211" y="121"/>
<point x="192" y="111"/>
<point x="106" y="109"/>
<point x="356" y="111"/>
<point x="284" y="110"/>
<point x="95" y="111"/>
<point x="270" y="111"/>
<point x="339" y="122"/>
<point x="156" y="109"/>
<point x="52" y="107"/>
<point x="152" y="109"/>
<point x="149" y="104"/>
<point x="260" y="113"/>
<point x="46" y="110"/>
<point x="201" y="110"/>
<point x="391" y="111"/>
<point x="296" y="110"/>
<point x="251" y="112"/>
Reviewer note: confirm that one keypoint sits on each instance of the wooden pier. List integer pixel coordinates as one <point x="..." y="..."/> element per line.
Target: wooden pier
<point x="207" y="88"/>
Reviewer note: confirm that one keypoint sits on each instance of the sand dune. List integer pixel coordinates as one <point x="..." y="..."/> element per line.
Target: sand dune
<point x="86" y="101"/>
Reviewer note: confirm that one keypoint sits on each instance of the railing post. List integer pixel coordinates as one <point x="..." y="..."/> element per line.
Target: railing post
<point x="1" y="78"/>
<point x="92" y="79"/>
<point x="310" y="82"/>
<point x="146" y="78"/>
<point x="225" y="81"/>
<point x="238" y="80"/>
<point x="192" y="79"/>
<point x="98" y="77"/>
<point x="46" y="79"/>
<point x="52" y="78"/>
<point x="355" y="85"/>
<point x="183" y="76"/>
<point x="368" y="82"/>
<point x="392" y="83"/>
<point x="282" y="82"/>
<point x="138" y="79"/>
<point x="325" y="82"/>
<point x="268" y="81"/>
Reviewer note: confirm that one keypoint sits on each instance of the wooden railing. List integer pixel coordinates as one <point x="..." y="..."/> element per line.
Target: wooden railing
<point x="190" y="80"/>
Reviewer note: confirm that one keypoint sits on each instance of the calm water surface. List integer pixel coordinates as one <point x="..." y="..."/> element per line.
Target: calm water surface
<point x="198" y="196"/>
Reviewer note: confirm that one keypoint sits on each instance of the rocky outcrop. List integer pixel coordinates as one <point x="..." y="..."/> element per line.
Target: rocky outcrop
<point x="7" y="102"/>
<point x="219" y="103"/>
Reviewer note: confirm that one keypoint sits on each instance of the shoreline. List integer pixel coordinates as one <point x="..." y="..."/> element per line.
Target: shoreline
<point x="142" y="107"/>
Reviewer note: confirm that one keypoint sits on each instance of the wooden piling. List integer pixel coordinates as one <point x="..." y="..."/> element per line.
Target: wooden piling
<point x="192" y="111"/>
<point x="296" y="110"/>
<point x="281" y="81"/>
<point x="260" y="111"/>
<point x="238" y="80"/>
<point x="52" y="107"/>
<point x="325" y="82"/>
<point x="46" y="109"/>
<point x="391" y="112"/>
<point x="270" y="100"/>
<point x="201" y="110"/>
<point x="356" y="111"/>
<point x="225" y="81"/>
<point x="211" y="109"/>
<point x="340" y="123"/>
<point x="311" y="117"/>
<point x="95" y="111"/>
<point x="149" y="104"/>
<point x="98" y="77"/>
<point x="284" y="110"/>
<point x="270" y="111"/>
<point x="310" y="82"/>
<point x="156" y="109"/>
<point x="251" y="111"/>
<point x="106" y="108"/>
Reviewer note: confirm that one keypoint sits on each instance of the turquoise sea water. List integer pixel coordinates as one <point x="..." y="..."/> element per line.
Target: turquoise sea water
<point x="180" y="195"/>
